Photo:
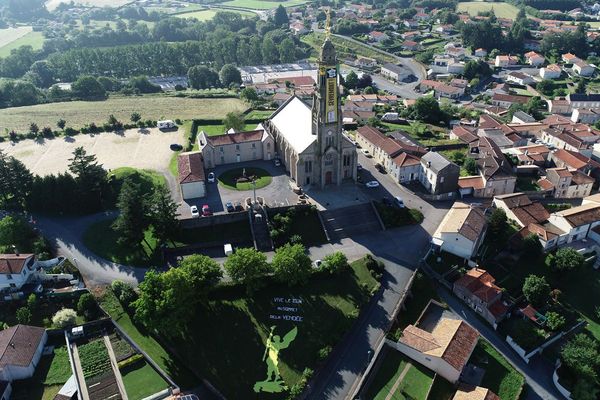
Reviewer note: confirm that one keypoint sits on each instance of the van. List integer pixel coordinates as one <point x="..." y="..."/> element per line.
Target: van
<point x="399" y="202"/>
<point x="228" y="249"/>
<point x="166" y="124"/>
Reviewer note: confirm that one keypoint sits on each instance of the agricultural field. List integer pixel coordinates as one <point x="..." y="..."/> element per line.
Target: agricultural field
<point x="94" y="358"/>
<point x="262" y="4"/>
<point x="9" y="35"/>
<point x="52" y="4"/>
<point x="80" y="113"/>
<point x="502" y="10"/>
<point x="33" y="39"/>
<point x="207" y="15"/>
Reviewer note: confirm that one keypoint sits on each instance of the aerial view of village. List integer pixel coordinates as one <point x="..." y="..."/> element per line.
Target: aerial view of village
<point x="299" y="199"/>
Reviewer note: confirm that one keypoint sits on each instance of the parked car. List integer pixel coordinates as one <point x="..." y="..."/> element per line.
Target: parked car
<point x="399" y="202"/>
<point x="211" y="177"/>
<point x="206" y="211"/>
<point x="372" y="184"/>
<point x="176" y="147"/>
<point x="239" y="207"/>
<point x="194" y="211"/>
<point x="166" y="124"/>
<point x="277" y="162"/>
<point x="229" y="207"/>
<point x="366" y="153"/>
<point x="380" y="168"/>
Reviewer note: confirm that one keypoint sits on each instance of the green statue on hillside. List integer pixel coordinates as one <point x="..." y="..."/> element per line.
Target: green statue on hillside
<point x="274" y="383"/>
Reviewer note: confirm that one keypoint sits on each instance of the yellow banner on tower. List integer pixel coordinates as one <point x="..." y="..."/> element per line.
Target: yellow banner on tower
<point x="331" y="94"/>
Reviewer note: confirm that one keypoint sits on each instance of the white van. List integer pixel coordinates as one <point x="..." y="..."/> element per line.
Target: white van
<point x="166" y="124"/>
<point x="228" y="249"/>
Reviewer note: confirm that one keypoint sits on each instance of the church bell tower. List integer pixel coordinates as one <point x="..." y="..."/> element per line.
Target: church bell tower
<point x="327" y="115"/>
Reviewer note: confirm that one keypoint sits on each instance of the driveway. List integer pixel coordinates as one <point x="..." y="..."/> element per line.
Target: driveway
<point x="136" y="148"/>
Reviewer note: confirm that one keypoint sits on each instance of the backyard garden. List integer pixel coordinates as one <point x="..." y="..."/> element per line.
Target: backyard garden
<point x="246" y="178"/>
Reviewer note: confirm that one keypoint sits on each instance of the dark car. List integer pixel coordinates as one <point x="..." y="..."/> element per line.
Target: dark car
<point x="229" y="206"/>
<point x="380" y="168"/>
<point x="386" y="201"/>
<point x="239" y="207"/>
<point x="176" y="147"/>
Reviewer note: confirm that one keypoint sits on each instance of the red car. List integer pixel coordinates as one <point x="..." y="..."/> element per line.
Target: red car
<point x="206" y="211"/>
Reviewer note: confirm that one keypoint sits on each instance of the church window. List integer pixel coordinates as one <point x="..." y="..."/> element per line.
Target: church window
<point x="329" y="141"/>
<point x="307" y="166"/>
<point x="269" y="146"/>
<point x="329" y="159"/>
<point x="347" y="160"/>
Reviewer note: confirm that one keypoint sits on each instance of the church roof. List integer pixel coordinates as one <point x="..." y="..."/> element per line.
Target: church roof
<point x="293" y="121"/>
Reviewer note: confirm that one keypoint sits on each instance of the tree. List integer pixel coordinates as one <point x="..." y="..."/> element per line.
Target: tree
<point x="249" y="94"/>
<point x="91" y="178"/>
<point x="581" y="356"/>
<point x="141" y="84"/>
<point x="41" y="74"/>
<point x="364" y="81"/>
<point x="351" y="80"/>
<point x="202" y="272"/>
<point x="248" y="267"/>
<point x="23" y="315"/>
<point x="34" y="128"/>
<point x="287" y="51"/>
<point x="532" y="248"/>
<point x="546" y="87"/>
<point x="291" y="264"/>
<point x="555" y="321"/>
<point x="135" y="117"/>
<point x="86" y="306"/>
<point x="427" y="109"/>
<point x="281" y="18"/>
<point x="15" y="231"/>
<point x="32" y="302"/>
<point x="335" y="262"/>
<point x="471" y="166"/>
<point x="124" y="292"/>
<point x="88" y="87"/>
<point x="536" y="290"/>
<point x="163" y="215"/>
<point x="230" y="74"/>
<point x="132" y="221"/>
<point x="65" y="317"/>
<point x="234" y="121"/>
<point x="585" y="389"/>
<point x="498" y="222"/>
<point x="201" y="77"/>
<point x="581" y="86"/>
<point x="567" y="259"/>
<point x="61" y="123"/>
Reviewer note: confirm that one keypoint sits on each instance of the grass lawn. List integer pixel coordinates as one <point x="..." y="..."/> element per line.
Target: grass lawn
<point x="502" y="10"/>
<point x="525" y="184"/>
<point x="500" y="377"/>
<point x="233" y="321"/>
<point x="261" y="4"/>
<point x="394" y="217"/>
<point x="303" y="222"/>
<point x="169" y="364"/>
<point x="186" y="127"/>
<point x="426" y="134"/>
<point x="346" y="48"/>
<point x="207" y="15"/>
<point x="79" y="113"/>
<point x="414" y="385"/>
<point x="60" y="367"/>
<point x="141" y="380"/>
<point x="33" y="39"/>
<point x="214" y="130"/>
<point x="446" y="263"/>
<point x="259" y="114"/>
<point x="147" y="179"/>
<point x="228" y="178"/>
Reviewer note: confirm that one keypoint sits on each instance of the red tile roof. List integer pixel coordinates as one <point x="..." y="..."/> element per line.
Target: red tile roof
<point x="405" y="160"/>
<point x="460" y="347"/>
<point x="571" y="159"/>
<point x="12" y="263"/>
<point x="18" y="345"/>
<point x="475" y="182"/>
<point x="235" y="138"/>
<point x="480" y="283"/>
<point x="190" y="167"/>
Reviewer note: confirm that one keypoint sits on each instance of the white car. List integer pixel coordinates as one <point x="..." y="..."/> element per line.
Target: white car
<point x="318" y="264"/>
<point x="195" y="212"/>
<point x="211" y="177"/>
<point x="366" y="153"/>
<point x="372" y="184"/>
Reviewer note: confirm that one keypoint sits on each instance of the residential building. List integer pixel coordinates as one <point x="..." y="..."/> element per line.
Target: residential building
<point x="576" y="223"/>
<point x="461" y="232"/>
<point x="235" y="147"/>
<point x="506" y="61"/>
<point x="569" y="58"/>
<point x="580" y="100"/>
<point x="585" y="115"/>
<point x="559" y="106"/>
<point x="465" y="134"/>
<point x="521" y="117"/>
<point x="466" y="392"/>
<point x="394" y="72"/>
<point x="573" y="161"/>
<point x="440" y="341"/>
<point x="309" y="139"/>
<point x="480" y="53"/>
<point x="15" y="270"/>
<point x="404" y="167"/>
<point x="438" y="174"/>
<point x="579" y="138"/>
<point x="21" y="348"/>
<point x="410" y="45"/>
<point x="507" y="100"/>
<point x="298" y="28"/>
<point x="534" y="59"/>
<point x="376" y="36"/>
<point x="366" y="62"/>
<point x="519" y="78"/>
<point x="192" y="181"/>
<point x="569" y="184"/>
<point x="442" y="89"/>
<point x="583" y="69"/>
<point x="358" y="106"/>
<point x="552" y="71"/>
<point x="478" y="290"/>
<point x="536" y="154"/>
<point x="519" y="208"/>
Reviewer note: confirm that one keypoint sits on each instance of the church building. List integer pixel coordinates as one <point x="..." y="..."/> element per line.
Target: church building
<point x="309" y="140"/>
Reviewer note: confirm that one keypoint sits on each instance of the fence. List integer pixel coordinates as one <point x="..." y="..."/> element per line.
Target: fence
<point x="212" y="220"/>
<point x="559" y="387"/>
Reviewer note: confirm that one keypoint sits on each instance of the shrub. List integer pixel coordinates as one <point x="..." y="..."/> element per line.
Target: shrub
<point x="87" y="306"/>
<point x="555" y="321"/>
<point x="124" y="292"/>
<point x="23" y="315"/>
<point x="130" y="361"/>
<point x="536" y="289"/>
<point x="32" y="302"/>
<point x="64" y="318"/>
<point x="334" y="263"/>
<point x="324" y="353"/>
<point x="568" y="259"/>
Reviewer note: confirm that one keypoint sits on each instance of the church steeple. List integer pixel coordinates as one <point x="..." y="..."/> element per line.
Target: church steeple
<point x="328" y="53"/>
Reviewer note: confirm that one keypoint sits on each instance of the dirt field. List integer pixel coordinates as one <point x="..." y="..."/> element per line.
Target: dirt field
<point x="80" y="113"/>
<point x="134" y="149"/>
<point x="502" y="10"/>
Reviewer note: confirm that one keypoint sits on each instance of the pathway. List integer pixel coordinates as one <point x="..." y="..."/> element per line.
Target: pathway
<point x="398" y="382"/>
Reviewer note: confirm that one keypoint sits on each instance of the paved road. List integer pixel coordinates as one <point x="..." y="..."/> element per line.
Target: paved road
<point x="538" y="374"/>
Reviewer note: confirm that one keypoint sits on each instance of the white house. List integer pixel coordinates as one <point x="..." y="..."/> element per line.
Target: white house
<point x="583" y="68"/>
<point x="15" y="270"/>
<point x="552" y="71"/>
<point x="480" y="52"/>
<point x="577" y="222"/>
<point x="438" y="174"/>
<point x="519" y="78"/>
<point x="192" y="180"/>
<point x="394" y="72"/>
<point x="440" y="341"/>
<point x="505" y="61"/>
<point x="462" y="230"/>
<point x="20" y="351"/>
<point x="534" y="59"/>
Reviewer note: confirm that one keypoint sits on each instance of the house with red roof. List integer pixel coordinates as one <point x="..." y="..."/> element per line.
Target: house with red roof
<point x="478" y="290"/>
<point x="234" y="147"/>
<point x="15" y="270"/>
<point x="440" y="341"/>
<point x="192" y="182"/>
<point x="21" y="348"/>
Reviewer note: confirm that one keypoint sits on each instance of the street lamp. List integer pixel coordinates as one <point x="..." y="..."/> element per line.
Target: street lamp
<point x="369" y="354"/>
<point x="254" y="188"/>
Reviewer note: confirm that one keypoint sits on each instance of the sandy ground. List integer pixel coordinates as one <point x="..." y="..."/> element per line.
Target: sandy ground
<point x="148" y="149"/>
